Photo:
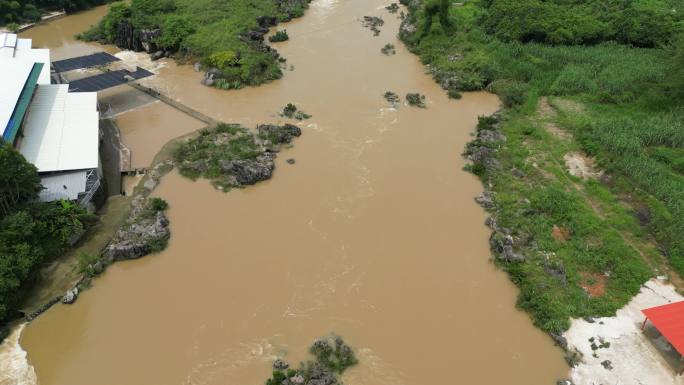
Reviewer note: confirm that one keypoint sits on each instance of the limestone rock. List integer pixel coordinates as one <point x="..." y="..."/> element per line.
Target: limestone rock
<point x="485" y="199"/>
<point x="279" y="134"/>
<point x="70" y="296"/>
<point x="280" y="365"/>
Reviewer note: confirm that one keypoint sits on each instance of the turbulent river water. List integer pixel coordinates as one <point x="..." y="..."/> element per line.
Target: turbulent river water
<point x="373" y="234"/>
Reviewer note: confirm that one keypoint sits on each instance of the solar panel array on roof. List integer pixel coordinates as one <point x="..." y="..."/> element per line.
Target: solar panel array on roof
<point x="107" y="80"/>
<point x="93" y="60"/>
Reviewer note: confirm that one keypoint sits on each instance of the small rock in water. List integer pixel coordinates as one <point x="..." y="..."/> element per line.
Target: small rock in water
<point x="373" y="22"/>
<point x="280" y="365"/>
<point x="391" y="97"/>
<point x="416" y="99"/>
<point x="70" y="296"/>
<point x="392" y="8"/>
<point x="291" y="161"/>
<point x="565" y="382"/>
<point x="607" y="364"/>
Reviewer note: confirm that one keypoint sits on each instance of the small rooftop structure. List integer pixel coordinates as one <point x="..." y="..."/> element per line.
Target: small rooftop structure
<point x="669" y="320"/>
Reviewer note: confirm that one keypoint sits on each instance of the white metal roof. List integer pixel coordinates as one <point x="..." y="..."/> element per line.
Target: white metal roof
<point x="16" y="61"/>
<point x="12" y="47"/>
<point x="65" y="186"/>
<point x="61" y="130"/>
<point x="12" y="80"/>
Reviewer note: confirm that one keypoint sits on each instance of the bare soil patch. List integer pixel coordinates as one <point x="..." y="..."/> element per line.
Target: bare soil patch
<point x="594" y="284"/>
<point x="546" y="112"/>
<point x="581" y="166"/>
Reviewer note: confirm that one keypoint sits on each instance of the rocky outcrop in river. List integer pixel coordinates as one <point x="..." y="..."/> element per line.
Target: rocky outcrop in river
<point x="146" y="231"/>
<point x="232" y="156"/>
<point x="332" y="358"/>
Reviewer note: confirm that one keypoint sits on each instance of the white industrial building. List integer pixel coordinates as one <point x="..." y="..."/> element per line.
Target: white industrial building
<point x="56" y="130"/>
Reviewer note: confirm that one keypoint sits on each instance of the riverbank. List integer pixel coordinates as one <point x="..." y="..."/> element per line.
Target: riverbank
<point x="44" y="19"/>
<point x="580" y="169"/>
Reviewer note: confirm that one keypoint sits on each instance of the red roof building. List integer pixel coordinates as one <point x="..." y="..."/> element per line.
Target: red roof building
<point x="669" y="320"/>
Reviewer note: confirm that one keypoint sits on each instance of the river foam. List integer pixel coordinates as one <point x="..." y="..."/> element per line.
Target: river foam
<point x="14" y="366"/>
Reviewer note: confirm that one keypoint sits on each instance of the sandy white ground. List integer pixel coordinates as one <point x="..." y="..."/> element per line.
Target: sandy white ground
<point x="635" y="358"/>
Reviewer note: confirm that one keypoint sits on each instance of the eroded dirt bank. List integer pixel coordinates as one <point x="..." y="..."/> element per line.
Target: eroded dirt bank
<point x="373" y="234"/>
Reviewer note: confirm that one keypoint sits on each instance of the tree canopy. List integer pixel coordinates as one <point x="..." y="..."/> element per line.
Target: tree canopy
<point x="24" y="11"/>
<point x="31" y="232"/>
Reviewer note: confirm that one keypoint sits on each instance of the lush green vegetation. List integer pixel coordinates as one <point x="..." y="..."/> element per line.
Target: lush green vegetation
<point x="31" y="232"/>
<point x="202" y="156"/>
<point x="279" y="36"/>
<point x="620" y="103"/>
<point x="226" y="35"/>
<point x="643" y="23"/>
<point x="291" y="111"/>
<point x="26" y="11"/>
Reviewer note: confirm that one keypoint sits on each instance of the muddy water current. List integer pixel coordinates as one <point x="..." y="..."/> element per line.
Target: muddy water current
<point x="372" y="234"/>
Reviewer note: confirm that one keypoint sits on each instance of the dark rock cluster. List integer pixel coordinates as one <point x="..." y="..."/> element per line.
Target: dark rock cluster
<point x="392" y="97"/>
<point x="482" y="151"/>
<point x="233" y="156"/>
<point x="332" y="358"/>
<point x="416" y="100"/>
<point x="392" y="8"/>
<point x="250" y="171"/>
<point x="502" y="244"/>
<point x="145" y="231"/>
<point x="279" y="134"/>
<point x="373" y="23"/>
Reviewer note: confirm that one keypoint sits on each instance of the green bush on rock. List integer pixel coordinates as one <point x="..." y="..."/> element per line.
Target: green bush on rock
<point x="279" y="36"/>
<point x="332" y="358"/>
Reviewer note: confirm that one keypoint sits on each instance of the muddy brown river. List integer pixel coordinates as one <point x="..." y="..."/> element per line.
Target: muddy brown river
<point x="373" y="235"/>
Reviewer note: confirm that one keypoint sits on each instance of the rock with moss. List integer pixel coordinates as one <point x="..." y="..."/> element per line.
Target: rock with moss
<point x="392" y="98"/>
<point x="332" y="358"/>
<point x="145" y="231"/>
<point x="388" y="49"/>
<point x="291" y="111"/>
<point x="243" y="172"/>
<point x="416" y="100"/>
<point x="392" y="8"/>
<point x="279" y="134"/>
<point x="233" y="156"/>
<point x="373" y="23"/>
<point x="279" y="36"/>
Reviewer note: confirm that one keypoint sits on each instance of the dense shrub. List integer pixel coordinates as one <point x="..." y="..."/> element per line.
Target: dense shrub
<point x="640" y="23"/>
<point x="279" y="36"/>
<point x="31" y="232"/>
<point x="12" y="11"/>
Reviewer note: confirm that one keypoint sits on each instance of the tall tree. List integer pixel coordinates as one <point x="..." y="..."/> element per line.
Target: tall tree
<point x="434" y="7"/>
<point x="19" y="180"/>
